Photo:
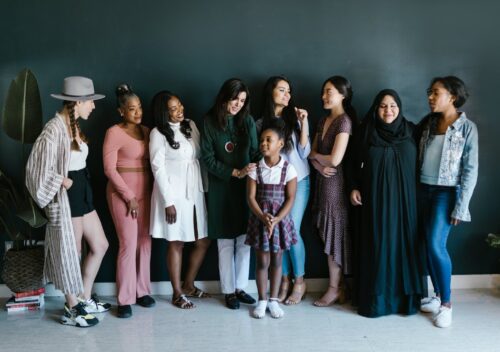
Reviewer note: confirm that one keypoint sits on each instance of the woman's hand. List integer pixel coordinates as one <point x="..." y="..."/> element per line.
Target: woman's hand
<point x="301" y="115"/>
<point x="133" y="208"/>
<point x="170" y="214"/>
<point x="356" y="197"/>
<point x="455" y="221"/>
<point x="67" y="183"/>
<point x="245" y="171"/>
<point x="327" y="171"/>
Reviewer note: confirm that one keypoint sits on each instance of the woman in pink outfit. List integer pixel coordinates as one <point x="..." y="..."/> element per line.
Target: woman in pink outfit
<point x="126" y="164"/>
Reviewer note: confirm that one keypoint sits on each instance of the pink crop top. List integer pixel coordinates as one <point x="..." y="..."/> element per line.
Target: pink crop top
<point x="122" y="150"/>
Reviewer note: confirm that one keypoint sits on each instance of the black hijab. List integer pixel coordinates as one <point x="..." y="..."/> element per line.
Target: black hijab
<point x="379" y="133"/>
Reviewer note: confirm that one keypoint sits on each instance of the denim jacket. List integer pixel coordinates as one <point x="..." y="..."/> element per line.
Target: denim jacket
<point x="459" y="160"/>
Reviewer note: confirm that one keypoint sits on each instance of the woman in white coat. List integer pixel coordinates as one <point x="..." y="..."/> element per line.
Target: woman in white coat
<point x="178" y="211"/>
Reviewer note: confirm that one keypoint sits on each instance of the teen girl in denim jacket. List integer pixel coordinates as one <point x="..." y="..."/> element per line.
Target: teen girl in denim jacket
<point x="448" y="158"/>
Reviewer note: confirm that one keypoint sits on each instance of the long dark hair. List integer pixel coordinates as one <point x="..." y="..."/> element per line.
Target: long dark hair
<point x="159" y="108"/>
<point x="230" y="90"/>
<point x="288" y="115"/>
<point x="344" y="87"/>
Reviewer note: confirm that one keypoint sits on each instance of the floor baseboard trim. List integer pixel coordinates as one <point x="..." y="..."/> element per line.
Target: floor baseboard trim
<point x="313" y="285"/>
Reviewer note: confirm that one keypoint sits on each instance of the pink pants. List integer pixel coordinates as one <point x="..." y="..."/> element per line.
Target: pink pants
<point x="134" y="253"/>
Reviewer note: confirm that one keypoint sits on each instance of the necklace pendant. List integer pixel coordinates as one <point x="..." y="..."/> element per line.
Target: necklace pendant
<point x="229" y="146"/>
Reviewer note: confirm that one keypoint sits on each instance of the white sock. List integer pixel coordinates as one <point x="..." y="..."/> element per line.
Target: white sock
<point x="275" y="309"/>
<point x="260" y="310"/>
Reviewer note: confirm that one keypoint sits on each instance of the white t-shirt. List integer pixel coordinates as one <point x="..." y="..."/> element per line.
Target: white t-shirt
<point x="77" y="159"/>
<point x="272" y="175"/>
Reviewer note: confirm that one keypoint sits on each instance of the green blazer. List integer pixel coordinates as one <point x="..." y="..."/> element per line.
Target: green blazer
<point x="226" y="199"/>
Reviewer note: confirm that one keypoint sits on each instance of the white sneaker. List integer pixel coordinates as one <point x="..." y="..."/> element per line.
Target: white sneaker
<point x="443" y="318"/>
<point x="93" y="305"/>
<point x="260" y="310"/>
<point x="275" y="309"/>
<point x="430" y="305"/>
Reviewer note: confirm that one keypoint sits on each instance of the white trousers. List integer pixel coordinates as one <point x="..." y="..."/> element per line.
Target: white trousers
<point x="234" y="264"/>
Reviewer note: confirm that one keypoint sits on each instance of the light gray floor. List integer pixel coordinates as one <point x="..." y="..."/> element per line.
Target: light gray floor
<point x="212" y="327"/>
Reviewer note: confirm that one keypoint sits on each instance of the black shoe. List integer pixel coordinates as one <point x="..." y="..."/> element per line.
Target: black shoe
<point x="244" y="297"/>
<point x="232" y="301"/>
<point x="124" y="311"/>
<point x="146" y="301"/>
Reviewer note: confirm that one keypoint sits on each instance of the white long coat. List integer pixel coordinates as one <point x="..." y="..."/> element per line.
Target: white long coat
<point x="46" y="168"/>
<point x="178" y="182"/>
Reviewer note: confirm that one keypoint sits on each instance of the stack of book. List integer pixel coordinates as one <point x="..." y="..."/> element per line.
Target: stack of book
<point x="24" y="301"/>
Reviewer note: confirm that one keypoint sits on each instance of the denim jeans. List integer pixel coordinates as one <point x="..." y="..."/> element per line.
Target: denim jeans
<point x="437" y="204"/>
<point x="297" y="253"/>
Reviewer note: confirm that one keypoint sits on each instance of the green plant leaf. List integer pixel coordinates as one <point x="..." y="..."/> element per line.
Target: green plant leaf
<point x="22" y="112"/>
<point x="493" y="240"/>
<point x="31" y="213"/>
<point x="8" y="191"/>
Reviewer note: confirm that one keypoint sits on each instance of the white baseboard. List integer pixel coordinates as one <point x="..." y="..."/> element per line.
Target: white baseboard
<point x="491" y="281"/>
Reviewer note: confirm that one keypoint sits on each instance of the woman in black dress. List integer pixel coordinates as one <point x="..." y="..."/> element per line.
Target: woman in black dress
<point x="385" y="189"/>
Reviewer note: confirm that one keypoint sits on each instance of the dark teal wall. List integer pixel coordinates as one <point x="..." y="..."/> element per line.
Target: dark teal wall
<point x="191" y="47"/>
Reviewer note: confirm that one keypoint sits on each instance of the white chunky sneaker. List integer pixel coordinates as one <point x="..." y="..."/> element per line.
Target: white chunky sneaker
<point x="93" y="305"/>
<point x="443" y="317"/>
<point x="430" y="305"/>
<point x="78" y="316"/>
<point x="260" y="310"/>
<point x="275" y="309"/>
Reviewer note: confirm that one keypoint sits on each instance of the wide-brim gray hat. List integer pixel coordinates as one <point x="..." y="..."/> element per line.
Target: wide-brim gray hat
<point x="78" y="89"/>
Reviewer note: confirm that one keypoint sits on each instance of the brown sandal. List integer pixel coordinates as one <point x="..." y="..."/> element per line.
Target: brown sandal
<point x="339" y="298"/>
<point x="284" y="290"/>
<point x="197" y="293"/>
<point x="298" y="293"/>
<point x="182" y="302"/>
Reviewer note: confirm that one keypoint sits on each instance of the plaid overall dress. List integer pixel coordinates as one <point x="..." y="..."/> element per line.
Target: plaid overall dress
<point x="270" y="199"/>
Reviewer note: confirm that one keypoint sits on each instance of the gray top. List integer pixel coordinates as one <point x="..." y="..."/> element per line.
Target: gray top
<point x="432" y="159"/>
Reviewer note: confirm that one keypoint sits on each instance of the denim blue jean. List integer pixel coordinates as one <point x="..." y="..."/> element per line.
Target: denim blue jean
<point x="437" y="204"/>
<point x="296" y="256"/>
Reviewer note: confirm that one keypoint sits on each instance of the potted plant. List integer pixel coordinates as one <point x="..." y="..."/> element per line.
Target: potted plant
<point x="493" y="240"/>
<point x="21" y="121"/>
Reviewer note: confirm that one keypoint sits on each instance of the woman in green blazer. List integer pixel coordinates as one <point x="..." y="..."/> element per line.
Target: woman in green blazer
<point x="229" y="149"/>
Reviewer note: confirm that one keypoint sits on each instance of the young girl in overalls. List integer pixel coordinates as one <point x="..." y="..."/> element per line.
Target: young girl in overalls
<point x="271" y="192"/>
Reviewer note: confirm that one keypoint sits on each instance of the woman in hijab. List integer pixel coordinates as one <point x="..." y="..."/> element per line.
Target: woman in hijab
<point x="384" y="186"/>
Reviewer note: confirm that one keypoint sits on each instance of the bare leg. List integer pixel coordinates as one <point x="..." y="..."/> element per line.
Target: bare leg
<point x="195" y="259"/>
<point x="275" y="273"/>
<point x="71" y="300"/>
<point x="284" y="288"/>
<point x="298" y="291"/>
<point x="174" y="264"/>
<point x="334" y="291"/>
<point x="262" y="267"/>
<point x="89" y="228"/>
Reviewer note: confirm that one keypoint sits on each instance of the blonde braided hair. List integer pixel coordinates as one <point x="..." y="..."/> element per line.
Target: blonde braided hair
<point x="74" y="125"/>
